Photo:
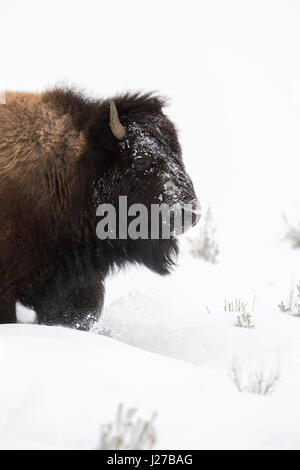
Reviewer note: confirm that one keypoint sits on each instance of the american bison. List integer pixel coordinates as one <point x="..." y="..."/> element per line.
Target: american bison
<point x="61" y="155"/>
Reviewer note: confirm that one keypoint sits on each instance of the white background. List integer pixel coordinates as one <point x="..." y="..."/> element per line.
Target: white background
<point x="231" y="70"/>
<point x="232" y="73"/>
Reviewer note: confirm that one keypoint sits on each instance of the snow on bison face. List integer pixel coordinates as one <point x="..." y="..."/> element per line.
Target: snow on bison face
<point x="149" y="172"/>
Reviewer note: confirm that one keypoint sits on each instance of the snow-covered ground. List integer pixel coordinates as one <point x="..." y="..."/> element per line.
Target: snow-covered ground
<point x="232" y="72"/>
<point x="59" y="386"/>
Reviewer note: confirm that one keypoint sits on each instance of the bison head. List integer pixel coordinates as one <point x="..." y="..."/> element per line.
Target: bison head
<point x="143" y="162"/>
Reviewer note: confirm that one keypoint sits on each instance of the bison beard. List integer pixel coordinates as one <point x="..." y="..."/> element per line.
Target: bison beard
<point x="55" y="148"/>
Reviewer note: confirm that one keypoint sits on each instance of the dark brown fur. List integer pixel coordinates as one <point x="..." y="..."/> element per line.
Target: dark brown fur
<point x="54" y="146"/>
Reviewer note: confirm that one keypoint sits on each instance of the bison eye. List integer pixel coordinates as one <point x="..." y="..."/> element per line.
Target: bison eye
<point x="142" y="162"/>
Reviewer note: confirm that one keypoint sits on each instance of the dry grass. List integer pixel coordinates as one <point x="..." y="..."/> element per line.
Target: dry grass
<point x="127" y="432"/>
<point x="244" y="319"/>
<point x="204" y="244"/>
<point x="259" y="382"/>
<point x="236" y="305"/>
<point x="292" y="305"/>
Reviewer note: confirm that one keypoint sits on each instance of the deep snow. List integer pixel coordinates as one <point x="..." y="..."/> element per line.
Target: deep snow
<point x="232" y="72"/>
<point x="59" y="386"/>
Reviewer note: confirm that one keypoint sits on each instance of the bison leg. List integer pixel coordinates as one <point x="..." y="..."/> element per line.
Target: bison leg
<point x="78" y="308"/>
<point x="7" y="310"/>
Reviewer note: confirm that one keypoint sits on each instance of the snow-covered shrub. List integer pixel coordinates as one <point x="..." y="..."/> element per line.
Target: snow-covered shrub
<point x="260" y="382"/>
<point x="203" y="244"/>
<point x="244" y="319"/>
<point x="127" y="432"/>
<point x="293" y="304"/>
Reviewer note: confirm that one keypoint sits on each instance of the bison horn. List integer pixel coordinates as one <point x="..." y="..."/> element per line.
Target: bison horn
<point x="116" y="127"/>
